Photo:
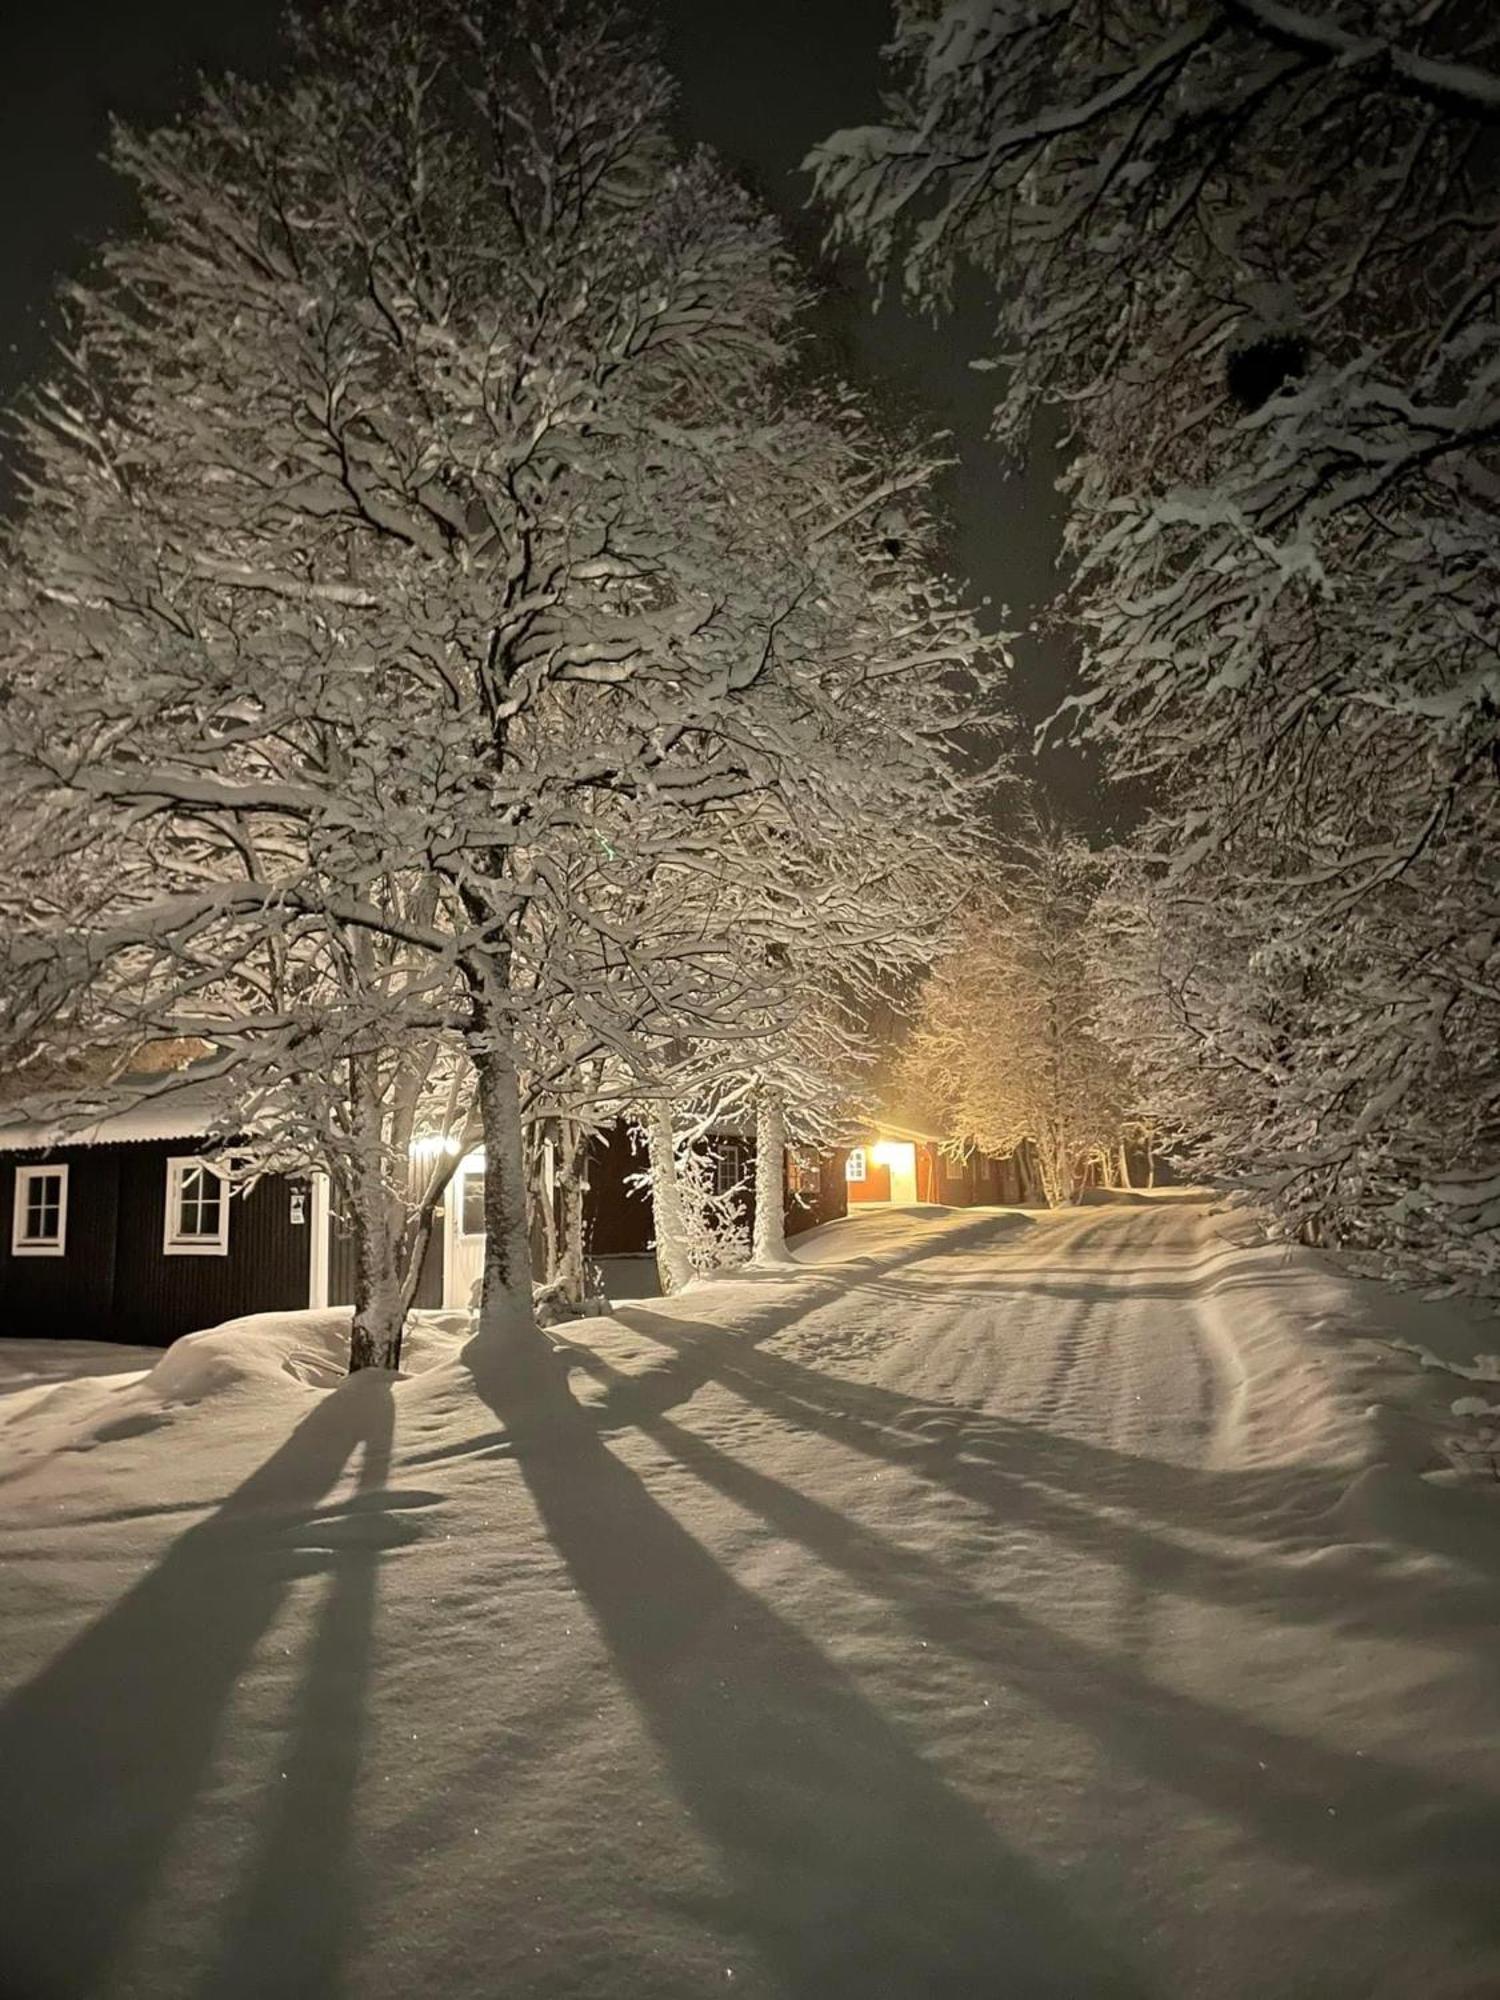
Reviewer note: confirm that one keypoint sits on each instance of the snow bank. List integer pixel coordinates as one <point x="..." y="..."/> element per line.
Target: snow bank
<point x="1419" y="1360"/>
<point x="1160" y="1197"/>
<point x="310" y="1349"/>
<point x="73" y="1396"/>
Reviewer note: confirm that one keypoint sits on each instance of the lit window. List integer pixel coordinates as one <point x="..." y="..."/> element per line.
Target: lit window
<point x="471" y="1204"/>
<point x="197" y="1210"/>
<point x="39" y="1222"/>
<point x="854" y="1166"/>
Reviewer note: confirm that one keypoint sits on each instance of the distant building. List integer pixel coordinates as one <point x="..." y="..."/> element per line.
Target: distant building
<point x="893" y="1165"/>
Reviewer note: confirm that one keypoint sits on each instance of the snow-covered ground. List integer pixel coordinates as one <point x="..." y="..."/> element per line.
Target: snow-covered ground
<point x="997" y="1605"/>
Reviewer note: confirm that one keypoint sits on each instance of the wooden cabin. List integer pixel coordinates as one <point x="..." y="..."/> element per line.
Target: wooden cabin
<point x="127" y="1230"/>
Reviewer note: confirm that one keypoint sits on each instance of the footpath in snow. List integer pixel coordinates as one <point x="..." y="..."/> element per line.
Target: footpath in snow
<point x="992" y="1605"/>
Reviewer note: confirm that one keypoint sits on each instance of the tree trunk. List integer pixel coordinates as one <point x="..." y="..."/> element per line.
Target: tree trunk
<point x="379" y="1306"/>
<point x="423" y="1218"/>
<point x="543" y="1201"/>
<point x="574" y="1153"/>
<point x="1125" y="1181"/>
<point x="416" y="1241"/>
<point x="1057" y="1169"/>
<point x="769" y="1246"/>
<point x="672" y="1260"/>
<point x="507" y="1318"/>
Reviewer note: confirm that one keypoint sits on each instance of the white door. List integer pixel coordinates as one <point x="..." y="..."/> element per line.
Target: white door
<point x="903" y="1171"/>
<point x="463" y="1237"/>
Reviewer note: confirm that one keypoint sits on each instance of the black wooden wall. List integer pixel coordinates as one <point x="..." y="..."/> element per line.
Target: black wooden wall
<point x="618" y="1217"/>
<point x="341" y="1259"/>
<point x="69" y="1297"/>
<point x="828" y="1204"/>
<point x="114" y="1281"/>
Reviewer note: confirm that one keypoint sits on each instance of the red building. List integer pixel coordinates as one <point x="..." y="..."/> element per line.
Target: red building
<point x="895" y="1166"/>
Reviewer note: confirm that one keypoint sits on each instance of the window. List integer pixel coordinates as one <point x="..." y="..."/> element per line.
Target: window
<point x="731" y="1161"/>
<point x="197" y="1210"/>
<point x="39" y="1224"/>
<point x="854" y="1166"/>
<point x="471" y="1203"/>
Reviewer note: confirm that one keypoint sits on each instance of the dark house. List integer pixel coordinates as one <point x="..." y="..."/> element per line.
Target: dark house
<point x="617" y="1214"/>
<point x="125" y="1230"/>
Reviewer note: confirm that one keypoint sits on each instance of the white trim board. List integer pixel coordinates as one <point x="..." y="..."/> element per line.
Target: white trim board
<point x="51" y="1246"/>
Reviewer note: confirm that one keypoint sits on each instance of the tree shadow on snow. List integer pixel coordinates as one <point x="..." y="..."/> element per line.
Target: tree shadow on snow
<point x="1386" y="1822"/>
<point x="855" y="1869"/>
<point x="1343" y="1813"/>
<point x="1028" y="1476"/>
<point x="104" y="1752"/>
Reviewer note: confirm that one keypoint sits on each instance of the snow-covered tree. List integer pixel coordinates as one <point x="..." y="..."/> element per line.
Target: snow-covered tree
<point x="1006" y="1043"/>
<point x="792" y="1081"/>
<point x="426" y="507"/>
<point x="1249" y="249"/>
<point x="829" y="921"/>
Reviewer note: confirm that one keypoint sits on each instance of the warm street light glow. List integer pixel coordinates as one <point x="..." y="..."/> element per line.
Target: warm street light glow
<point x="429" y="1147"/>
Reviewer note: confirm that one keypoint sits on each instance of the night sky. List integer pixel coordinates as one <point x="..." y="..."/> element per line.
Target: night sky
<point x="760" y="83"/>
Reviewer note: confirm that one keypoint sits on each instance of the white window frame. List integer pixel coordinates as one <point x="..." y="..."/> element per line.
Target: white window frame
<point x="856" y="1160"/>
<point x="731" y="1163"/>
<point x="20" y="1245"/>
<point x="468" y="1169"/>
<point x="173" y="1243"/>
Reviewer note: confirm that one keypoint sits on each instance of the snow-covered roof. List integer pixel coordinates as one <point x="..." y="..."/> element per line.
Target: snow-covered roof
<point x="884" y="1128"/>
<point x="160" y="1109"/>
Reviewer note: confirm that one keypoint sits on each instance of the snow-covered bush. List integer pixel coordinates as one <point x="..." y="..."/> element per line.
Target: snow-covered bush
<point x="718" y="1235"/>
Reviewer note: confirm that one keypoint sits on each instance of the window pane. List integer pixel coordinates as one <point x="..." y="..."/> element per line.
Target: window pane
<point x="199" y="1201"/>
<point x="471" y="1218"/>
<point x="43" y="1216"/>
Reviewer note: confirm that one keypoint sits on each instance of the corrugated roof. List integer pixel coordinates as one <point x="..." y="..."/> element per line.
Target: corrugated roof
<point x="161" y="1109"/>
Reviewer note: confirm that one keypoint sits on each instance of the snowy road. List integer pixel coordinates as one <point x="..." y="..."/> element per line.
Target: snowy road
<point x="1001" y="1606"/>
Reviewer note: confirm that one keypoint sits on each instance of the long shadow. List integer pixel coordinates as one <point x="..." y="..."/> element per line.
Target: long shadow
<point x="1430" y="1842"/>
<point x="103" y="1753"/>
<point x="292" y="1925"/>
<point x="1027" y="1477"/>
<point x="983" y="1225"/>
<point x="854" y="1869"/>
<point x="1015" y="1281"/>
<point x="787" y="1296"/>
